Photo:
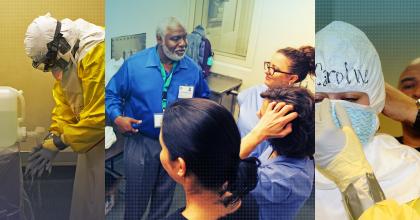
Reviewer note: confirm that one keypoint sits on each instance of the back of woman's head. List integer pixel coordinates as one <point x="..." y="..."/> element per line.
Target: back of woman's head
<point x="205" y="135"/>
<point x="303" y="60"/>
<point x="299" y="143"/>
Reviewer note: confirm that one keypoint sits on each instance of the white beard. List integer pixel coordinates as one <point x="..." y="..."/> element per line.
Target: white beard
<point x="172" y="56"/>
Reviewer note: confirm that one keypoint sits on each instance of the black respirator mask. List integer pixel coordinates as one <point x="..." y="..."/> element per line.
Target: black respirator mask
<point x="57" y="49"/>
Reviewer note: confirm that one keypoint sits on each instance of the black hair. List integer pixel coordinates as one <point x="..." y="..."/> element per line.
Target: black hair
<point x="303" y="60"/>
<point x="205" y="135"/>
<point x="300" y="142"/>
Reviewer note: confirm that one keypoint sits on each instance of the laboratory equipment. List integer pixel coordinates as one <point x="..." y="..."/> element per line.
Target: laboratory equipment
<point x="10" y="117"/>
<point x="14" y="203"/>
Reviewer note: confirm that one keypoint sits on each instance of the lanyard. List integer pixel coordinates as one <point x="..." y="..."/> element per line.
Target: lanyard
<point x="166" y="82"/>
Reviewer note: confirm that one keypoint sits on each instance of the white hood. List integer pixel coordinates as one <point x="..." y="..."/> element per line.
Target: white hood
<point x="347" y="61"/>
<point x="41" y="31"/>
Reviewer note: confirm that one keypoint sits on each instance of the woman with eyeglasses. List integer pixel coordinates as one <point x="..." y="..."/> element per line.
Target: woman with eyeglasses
<point x="286" y="176"/>
<point x="288" y="66"/>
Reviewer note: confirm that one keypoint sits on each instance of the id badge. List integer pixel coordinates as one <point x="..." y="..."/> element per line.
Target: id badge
<point x="185" y="92"/>
<point x="157" y="118"/>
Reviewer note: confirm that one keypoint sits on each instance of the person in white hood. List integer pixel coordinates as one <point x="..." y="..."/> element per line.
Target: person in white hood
<point x="348" y="72"/>
<point x="74" y="52"/>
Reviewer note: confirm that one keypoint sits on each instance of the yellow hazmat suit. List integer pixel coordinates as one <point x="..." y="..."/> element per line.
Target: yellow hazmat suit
<point x="85" y="130"/>
<point x="390" y="209"/>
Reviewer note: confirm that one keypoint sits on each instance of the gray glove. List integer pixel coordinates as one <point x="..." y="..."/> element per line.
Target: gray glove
<point x="39" y="160"/>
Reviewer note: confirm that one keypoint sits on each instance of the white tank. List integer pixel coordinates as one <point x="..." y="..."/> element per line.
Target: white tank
<point x="9" y="115"/>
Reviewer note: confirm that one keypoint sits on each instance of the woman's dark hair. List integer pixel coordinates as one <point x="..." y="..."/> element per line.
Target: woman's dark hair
<point x="303" y="60"/>
<point x="300" y="142"/>
<point x="205" y="135"/>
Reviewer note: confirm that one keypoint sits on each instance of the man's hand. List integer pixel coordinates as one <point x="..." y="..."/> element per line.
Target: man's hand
<point x="399" y="106"/>
<point x="124" y="124"/>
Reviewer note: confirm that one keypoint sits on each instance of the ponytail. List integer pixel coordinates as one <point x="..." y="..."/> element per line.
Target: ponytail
<point x="246" y="180"/>
<point x="213" y="161"/>
<point x="309" y="53"/>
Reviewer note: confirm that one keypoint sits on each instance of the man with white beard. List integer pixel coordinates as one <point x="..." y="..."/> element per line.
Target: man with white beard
<point x="136" y="97"/>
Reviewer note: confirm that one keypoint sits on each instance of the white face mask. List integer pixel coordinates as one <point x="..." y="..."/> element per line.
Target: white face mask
<point x="364" y="120"/>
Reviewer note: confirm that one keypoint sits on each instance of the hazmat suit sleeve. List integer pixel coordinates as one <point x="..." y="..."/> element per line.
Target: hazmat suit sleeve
<point x="86" y="132"/>
<point x="61" y="113"/>
<point x="415" y="204"/>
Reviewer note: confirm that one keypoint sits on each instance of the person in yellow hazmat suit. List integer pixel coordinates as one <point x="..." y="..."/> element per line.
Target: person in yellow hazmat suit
<point x="74" y="52"/>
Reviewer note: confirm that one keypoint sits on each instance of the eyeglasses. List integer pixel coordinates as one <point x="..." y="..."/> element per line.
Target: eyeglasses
<point x="271" y="70"/>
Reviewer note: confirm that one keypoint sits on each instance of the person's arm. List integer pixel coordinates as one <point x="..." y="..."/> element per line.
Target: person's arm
<point x="61" y="113"/>
<point x="399" y="106"/>
<point x="42" y="155"/>
<point x="117" y="90"/>
<point x="340" y="157"/>
<point x="250" y="142"/>
<point x="274" y="123"/>
<point x="202" y="89"/>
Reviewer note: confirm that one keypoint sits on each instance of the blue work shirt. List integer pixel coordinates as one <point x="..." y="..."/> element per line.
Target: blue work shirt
<point x="136" y="89"/>
<point x="284" y="184"/>
<point x="250" y="103"/>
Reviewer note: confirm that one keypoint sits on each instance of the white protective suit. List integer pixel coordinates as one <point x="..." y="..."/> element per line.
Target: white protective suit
<point x="347" y="61"/>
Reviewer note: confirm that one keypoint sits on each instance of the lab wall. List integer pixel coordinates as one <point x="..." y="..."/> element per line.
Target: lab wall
<point x="141" y="16"/>
<point x="275" y="24"/>
<point x="392" y="28"/>
<point x="16" y="68"/>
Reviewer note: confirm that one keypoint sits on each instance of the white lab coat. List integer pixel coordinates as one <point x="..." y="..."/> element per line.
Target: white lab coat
<point x="396" y="167"/>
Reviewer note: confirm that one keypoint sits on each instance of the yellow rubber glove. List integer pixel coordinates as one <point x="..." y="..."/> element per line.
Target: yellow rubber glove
<point x="338" y="151"/>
